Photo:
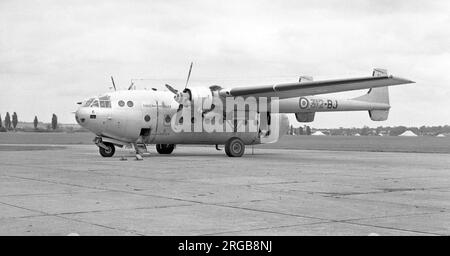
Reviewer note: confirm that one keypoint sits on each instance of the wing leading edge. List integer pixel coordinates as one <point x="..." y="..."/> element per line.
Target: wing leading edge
<point x="289" y="90"/>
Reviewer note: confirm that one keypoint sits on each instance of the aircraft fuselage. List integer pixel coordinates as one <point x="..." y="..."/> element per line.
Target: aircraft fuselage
<point x="146" y="115"/>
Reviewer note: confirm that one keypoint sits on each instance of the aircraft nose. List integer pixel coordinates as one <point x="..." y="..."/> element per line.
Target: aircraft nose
<point x="80" y="116"/>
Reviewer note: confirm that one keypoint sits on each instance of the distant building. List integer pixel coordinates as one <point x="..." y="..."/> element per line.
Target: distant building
<point x="408" y="133"/>
<point x="318" y="133"/>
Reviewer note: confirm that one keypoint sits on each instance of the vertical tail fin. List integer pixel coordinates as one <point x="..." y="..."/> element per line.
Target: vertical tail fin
<point x="377" y="95"/>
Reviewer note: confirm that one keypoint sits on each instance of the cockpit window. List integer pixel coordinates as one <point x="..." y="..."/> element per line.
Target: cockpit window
<point x="94" y="104"/>
<point x="105" y="101"/>
<point x="105" y="104"/>
<point x="88" y="102"/>
<point x="102" y="102"/>
<point x="105" y="97"/>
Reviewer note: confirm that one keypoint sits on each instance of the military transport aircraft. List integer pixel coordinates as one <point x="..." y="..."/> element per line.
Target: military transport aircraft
<point x="213" y="115"/>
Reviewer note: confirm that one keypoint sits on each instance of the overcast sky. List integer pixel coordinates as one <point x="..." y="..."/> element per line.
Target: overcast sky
<point x="55" y="53"/>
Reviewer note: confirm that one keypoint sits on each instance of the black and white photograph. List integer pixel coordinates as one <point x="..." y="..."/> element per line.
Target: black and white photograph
<point x="240" y="119"/>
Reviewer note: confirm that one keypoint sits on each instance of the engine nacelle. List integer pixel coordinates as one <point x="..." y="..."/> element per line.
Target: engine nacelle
<point x="201" y="95"/>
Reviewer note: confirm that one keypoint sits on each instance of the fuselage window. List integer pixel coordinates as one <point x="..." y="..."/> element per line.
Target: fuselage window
<point x="147" y="118"/>
<point x="121" y="103"/>
<point x="94" y="104"/>
<point x="130" y="103"/>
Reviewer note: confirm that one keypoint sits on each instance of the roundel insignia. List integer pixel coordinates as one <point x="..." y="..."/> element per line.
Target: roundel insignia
<point x="304" y="103"/>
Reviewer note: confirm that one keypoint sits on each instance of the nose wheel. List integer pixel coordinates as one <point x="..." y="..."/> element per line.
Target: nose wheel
<point x="107" y="149"/>
<point x="165" y="149"/>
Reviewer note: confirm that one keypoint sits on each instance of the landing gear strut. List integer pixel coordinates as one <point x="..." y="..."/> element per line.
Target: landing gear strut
<point x="234" y="147"/>
<point x="165" y="149"/>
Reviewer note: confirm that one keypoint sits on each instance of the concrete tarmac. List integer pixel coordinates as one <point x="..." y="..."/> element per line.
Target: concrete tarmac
<point x="200" y="191"/>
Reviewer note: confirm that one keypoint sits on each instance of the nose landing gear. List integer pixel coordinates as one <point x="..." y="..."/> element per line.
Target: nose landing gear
<point x="106" y="149"/>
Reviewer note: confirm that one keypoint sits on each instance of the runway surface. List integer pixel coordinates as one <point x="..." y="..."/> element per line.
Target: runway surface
<point x="199" y="191"/>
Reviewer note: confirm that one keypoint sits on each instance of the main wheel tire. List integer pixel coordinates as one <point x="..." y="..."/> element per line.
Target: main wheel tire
<point x="234" y="147"/>
<point x="165" y="149"/>
<point x="109" y="152"/>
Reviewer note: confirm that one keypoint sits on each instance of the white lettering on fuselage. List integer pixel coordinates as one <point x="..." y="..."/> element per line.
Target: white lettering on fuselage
<point x="241" y="115"/>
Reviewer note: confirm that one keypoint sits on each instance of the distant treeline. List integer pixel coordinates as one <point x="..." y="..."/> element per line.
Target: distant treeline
<point x="380" y="130"/>
<point x="12" y="123"/>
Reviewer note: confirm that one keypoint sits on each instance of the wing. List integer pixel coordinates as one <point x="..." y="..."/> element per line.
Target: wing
<point x="289" y="90"/>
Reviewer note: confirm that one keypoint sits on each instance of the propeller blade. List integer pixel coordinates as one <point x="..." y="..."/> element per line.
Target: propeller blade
<point x="175" y="91"/>
<point x="114" y="85"/>
<point x="189" y="75"/>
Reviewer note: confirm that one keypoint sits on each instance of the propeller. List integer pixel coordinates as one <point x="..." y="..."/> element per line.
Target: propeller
<point x="114" y="85"/>
<point x="189" y="75"/>
<point x="175" y="91"/>
<point x="181" y="97"/>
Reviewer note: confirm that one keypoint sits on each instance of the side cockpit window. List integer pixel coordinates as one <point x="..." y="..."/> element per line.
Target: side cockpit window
<point x="105" y="101"/>
<point x="88" y="102"/>
<point x="105" y="104"/>
<point x="95" y="104"/>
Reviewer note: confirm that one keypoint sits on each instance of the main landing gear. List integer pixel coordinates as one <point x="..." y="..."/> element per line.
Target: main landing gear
<point x="234" y="147"/>
<point x="165" y="149"/>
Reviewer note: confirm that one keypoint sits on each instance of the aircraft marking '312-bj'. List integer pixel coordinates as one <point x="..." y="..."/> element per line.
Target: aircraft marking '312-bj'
<point x="136" y="118"/>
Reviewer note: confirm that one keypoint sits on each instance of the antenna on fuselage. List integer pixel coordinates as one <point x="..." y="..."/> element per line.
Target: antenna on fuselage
<point x="131" y="85"/>
<point x="114" y="85"/>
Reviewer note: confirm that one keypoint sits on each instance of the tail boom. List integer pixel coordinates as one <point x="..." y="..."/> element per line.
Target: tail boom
<point x="375" y="101"/>
<point x="305" y="107"/>
<point x="320" y="104"/>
